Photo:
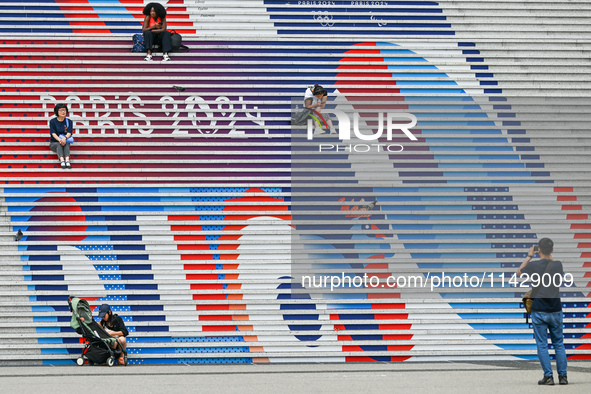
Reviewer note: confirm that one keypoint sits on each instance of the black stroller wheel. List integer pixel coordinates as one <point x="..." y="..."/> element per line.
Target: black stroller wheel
<point x="111" y="361"/>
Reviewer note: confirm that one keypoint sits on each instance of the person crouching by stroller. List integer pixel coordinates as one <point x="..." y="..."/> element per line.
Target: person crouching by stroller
<point x="115" y="327"/>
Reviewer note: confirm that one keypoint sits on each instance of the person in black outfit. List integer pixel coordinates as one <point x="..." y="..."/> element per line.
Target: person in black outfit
<point x="546" y="310"/>
<point x="60" y="129"/>
<point x="115" y="327"/>
<point x="154" y="29"/>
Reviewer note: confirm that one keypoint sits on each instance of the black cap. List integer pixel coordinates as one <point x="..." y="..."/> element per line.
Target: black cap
<point x="103" y="310"/>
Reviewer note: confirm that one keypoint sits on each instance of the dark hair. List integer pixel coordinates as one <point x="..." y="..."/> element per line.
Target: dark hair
<point x="58" y="107"/>
<point x="546" y="246"/>
<point x="317" y="89"/>
<point x="158" y="8"/>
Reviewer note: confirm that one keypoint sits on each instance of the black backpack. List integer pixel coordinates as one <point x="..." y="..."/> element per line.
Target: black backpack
<point x="176" y="42"/>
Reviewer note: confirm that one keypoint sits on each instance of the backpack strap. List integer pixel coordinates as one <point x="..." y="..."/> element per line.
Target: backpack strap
<point x="536" y="289"/>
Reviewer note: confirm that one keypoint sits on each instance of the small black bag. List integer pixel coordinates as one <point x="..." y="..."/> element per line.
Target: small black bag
<point x="97" y="355"/>
<point x="176" y="42"/>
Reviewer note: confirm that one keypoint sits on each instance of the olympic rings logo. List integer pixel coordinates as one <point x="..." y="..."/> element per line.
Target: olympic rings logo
<point x="323" y="17"/>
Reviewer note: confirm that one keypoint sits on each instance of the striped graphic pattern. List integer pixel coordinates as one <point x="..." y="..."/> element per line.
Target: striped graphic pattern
<point x="181" y="209"/>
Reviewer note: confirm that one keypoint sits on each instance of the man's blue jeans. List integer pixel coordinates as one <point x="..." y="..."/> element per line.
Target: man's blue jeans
<point x="544" y="322"/>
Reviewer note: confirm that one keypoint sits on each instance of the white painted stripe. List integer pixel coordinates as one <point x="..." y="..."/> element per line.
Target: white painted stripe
<point x="164" y="257"/>
<point x="433" y="316"/>
<point x="162" y="267"/>
<point x="170" y="277"/>
<point x="176" y="297"/>
<point x="174" y="286"/>
<point x="316" y="360"/>
<point x="88" y="277"/>
<point x="86" y="288"/>
<point x="169" y="238"/>
<point x="291" y="338"/>
<point x="154" y="228"/>
<point x="152" y="218"/>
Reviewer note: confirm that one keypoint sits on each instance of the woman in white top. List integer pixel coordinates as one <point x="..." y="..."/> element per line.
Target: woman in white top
<point x="315" y="98"/>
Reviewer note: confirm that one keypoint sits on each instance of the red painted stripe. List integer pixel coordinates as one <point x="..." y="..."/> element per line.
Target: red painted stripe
<point x="255" y="207"/>
<point x="377" y="266"/>
<point x="215" y="317"/>
<point x="572" y="216"/>
<point x="209" y="286"/>
<point x="192" y="247"/>
<point x="400" y="337"/>
<point x="395" y="326"/>
<point x="196" y="257"/>
<point x="388" y="306"/>
<point x="185" y="228"/>
<point x="363" y="52"/>
<point x="563" y="189"/>
<point x="212" y="307"/>
<point x="400" y="347"/>
<point x="363" y="67"/>
<point x="219" y="328"/>
<point x="567" y="198"/>
<point x="365" y="44"/>
<point x="202" y="276"/>
<point x="367" y="90"/>
<point x="580" y="357"/>
<point x="362" y="59"/>
<point x="209" y="297"/>
<point x="572" y="207"/>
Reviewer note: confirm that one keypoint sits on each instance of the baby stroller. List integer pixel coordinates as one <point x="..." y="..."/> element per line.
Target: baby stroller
<point x="98" y="350"/>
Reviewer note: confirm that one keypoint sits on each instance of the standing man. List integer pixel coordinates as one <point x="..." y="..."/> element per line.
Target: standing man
<point x="546" y="310"/>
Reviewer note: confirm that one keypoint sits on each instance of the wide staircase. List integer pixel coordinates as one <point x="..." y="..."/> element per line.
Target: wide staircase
<point x="206" y="220"/>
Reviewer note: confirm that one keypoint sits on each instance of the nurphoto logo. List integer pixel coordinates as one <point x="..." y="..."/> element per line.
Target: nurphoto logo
<point x="396" y="124"/>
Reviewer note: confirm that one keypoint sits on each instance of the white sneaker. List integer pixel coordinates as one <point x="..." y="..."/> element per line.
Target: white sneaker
<point x="148" y="58"/>
<point x="333" y="130"/>
<point x="165" y="58"/>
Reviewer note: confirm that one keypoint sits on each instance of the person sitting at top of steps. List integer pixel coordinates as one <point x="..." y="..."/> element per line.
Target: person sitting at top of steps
<point x="154" y="30"/>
